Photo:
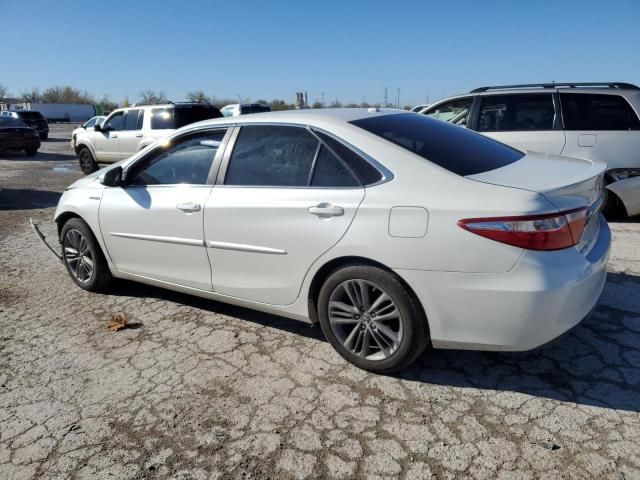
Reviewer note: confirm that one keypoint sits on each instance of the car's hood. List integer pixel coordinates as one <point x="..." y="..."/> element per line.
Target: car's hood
<point x="565" y="182"/>
<point x="92" y="179"/>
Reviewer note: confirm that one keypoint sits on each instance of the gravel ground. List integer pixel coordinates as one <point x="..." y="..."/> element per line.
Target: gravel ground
<point x="198" y="390"/>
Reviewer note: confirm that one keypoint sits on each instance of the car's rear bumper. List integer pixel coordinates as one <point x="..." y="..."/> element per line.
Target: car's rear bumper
<point x="542" y="297"/>
<point x="20" y="144"/>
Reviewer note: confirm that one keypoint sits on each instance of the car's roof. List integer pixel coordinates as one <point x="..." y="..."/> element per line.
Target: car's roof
<point x="305" y="116"/>
<point x="625" y="92"/>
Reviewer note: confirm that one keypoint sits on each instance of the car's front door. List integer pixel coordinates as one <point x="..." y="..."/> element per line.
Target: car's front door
<point x="282" y="199"/>
<point x="525" y="121"/>
<point x="106" y="142"/>
<point x="153" y="226"/>
<point x="131" y="133"/>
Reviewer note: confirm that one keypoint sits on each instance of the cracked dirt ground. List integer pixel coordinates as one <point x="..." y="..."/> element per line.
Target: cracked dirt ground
<point x="203" y="390"/>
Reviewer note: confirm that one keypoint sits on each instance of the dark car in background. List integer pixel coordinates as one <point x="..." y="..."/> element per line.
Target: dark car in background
<point x="34" y="120"/>
<point x="17" y="135"/>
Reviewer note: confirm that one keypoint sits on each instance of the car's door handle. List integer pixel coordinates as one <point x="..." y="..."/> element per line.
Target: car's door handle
<point x="113" y="136"/>
<point x="138" y="135"/>
<point x="326" y="210"/>
<point x="188" y="207"/>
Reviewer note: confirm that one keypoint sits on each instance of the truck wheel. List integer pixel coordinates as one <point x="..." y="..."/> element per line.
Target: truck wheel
<point x="87" y="163"/>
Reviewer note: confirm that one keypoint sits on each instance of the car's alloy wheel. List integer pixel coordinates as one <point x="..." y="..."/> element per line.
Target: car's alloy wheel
<point x="365" y="319"/>
<point x="87" y="163"/>
<point x="371" y="318"/>
<point x="77" y="256"/>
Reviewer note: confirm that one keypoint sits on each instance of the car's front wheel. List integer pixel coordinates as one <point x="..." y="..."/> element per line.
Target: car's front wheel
<point x="83" y="257"/>
<point x="371" y="319"/>
<point x="87" y="163"/>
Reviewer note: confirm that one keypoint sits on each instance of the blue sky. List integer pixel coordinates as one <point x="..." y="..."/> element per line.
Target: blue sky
<point x="348" y="49"/>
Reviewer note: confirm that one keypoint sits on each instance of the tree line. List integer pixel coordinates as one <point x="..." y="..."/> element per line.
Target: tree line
<point x="68" y="94"/>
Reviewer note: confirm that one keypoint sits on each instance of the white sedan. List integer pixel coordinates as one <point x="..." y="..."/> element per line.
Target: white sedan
<point x="393" y="230"/>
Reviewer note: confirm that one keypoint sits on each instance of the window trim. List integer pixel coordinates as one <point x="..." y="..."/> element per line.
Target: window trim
<point x="160" y="149"/>
<point x="557" y="112"/>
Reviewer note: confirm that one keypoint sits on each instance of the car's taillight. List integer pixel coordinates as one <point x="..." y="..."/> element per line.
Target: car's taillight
<point x="553" y="231"/>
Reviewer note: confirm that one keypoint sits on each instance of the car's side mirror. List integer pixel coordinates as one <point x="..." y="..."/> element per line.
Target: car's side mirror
<point x="112" y="177"/>
<point x="97" y="128"/>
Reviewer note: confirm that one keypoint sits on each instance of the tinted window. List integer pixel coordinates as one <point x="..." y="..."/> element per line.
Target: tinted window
<point x="504" y="113"/>
<point x="90" y="123"/>
<point x="189" y="161"/>
<point x="30" y="115"/>
<point x="454" y="148"/>
<point x="115" y="122"/>
<point x="456" y="111"/>
<point x="267" y="155"/>
<point x="140" y="120"/>
<point x="186" y="114"/>
<point x="330" y="171"/>
<point x="366" y="172"/>
<point x="162" y="118"/>
<point x="12" y="122"/>
<point x="246" y="109"/>
<point x="131" y="120"/>
<point x="582" y="111"/>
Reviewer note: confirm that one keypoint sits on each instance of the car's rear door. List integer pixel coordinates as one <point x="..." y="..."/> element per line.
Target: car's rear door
<point x="601" y="127"/>
<point x="527" y="121"/>
<point x="131" y="133"/>
<point x="153" y="226"/>
<point x="281" y="200"/>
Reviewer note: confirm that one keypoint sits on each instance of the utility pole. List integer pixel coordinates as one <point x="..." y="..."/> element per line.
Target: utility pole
<point x="386" y="98"/>
<point x="398" y="102"/>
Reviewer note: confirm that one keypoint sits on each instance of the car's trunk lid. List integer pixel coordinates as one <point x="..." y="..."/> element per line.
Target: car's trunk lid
<point x="565" y="182"/>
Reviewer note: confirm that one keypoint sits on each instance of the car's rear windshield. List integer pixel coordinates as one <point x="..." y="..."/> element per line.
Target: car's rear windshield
<point x="450" y="146"/>
<point x="246" y="109"/>
<point x="30" y="115"/>
<point x="12" y="122"/>
<point x="179" y="116"/>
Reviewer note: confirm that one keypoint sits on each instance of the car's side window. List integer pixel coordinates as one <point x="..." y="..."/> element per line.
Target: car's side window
<point x="330" y="171"/>
<point x="513" y="113"/>
<point x="366" y="173"/>
<point x="456" y="111"/>
<point x="187" y="161"/>
<point x="90" y="123"/>
<point x="162" y="118"/>
<point x="272" y="156"/>
<point x="131" y="120"/>
<point x="115" y="122"/>
<point x="583" y="111"/>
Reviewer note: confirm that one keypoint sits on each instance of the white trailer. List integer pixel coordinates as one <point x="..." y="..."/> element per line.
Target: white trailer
<point x="60" y="112"/>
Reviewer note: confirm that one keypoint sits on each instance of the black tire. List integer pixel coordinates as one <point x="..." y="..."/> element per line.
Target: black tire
<point x="44" y="136"/>
<point x="613" y="208"/>
<point x="415" y="331"/>
<point x="87" y="162"/>
<point x="100" y="276"/>
<point x="31" y="151"/>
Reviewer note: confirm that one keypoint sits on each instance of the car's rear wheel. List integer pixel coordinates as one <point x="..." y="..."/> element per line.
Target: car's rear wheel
<point x="44" y="136"/>
<point x="87" y="163"/>
<point x="31" y="151"/>
<point x="371" y="319"/>
<point x="613" y="208"/>
<point x="83" y="257"/>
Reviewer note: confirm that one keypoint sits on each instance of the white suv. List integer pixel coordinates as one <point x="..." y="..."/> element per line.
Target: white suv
<point x="128" y="130"/>
<point x="236" y="109"/>
<point x="596" y="121"/>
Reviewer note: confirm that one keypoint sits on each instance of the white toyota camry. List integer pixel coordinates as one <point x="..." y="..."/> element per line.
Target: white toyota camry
<point x="392" y="230"/>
